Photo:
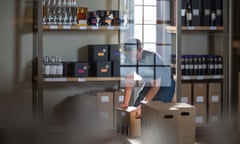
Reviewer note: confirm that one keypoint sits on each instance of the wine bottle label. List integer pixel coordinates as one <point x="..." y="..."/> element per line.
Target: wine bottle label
<point x="196" y="66"/>
<point x="220" y="66"/>
<point x="53" y="69"/>
<point x="213" y="16"/>
<point x="189" y="16"/>
<point x="59" y="70"/>
<point x="46" y="69"/>
<point x="211" y="66"/>
<point x="191" y="66"/>
<point x="204" y="66"/>
<point x="182" y="66"/>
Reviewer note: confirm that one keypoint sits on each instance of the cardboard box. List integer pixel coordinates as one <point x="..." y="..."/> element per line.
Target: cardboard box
<point x="201" y="114"/>
<point x="118" y="99"/>
<point x="127" y="124"/>
<point x="105" y="100"/>
<point x="187" y="126"/>
<point x="214" y="113"/>
<point x="186" y="93"/>
<point x="159" y="123"/>
<point x="105" y="119"/>
<point x="199" y="93"/>
<point x="214" y="93"/>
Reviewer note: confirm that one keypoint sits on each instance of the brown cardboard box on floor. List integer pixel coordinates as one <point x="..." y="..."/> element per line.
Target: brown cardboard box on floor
<point x="201" y="114"/>
<point x="159" y="123"/>
<point x="105" y="119"/>
<point x="127" y="124"/>
<point x="187" y="126"/>
<point x="214" y="113"/>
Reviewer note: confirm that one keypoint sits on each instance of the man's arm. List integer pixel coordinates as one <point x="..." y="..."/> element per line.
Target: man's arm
<point x="129" y="83"/>
<point x="155" y="86"/>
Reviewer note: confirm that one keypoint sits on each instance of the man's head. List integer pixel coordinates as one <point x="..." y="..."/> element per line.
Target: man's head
<point x="133" y="50"/>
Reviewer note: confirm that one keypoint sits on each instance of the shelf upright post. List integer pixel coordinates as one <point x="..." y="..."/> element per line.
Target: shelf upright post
<point x="37" y="88"/>
<point x="178" y="50"/>
<point x="228" y="51"/>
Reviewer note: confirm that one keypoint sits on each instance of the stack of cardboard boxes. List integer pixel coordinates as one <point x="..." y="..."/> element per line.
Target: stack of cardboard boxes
<point x="207" y="98"/>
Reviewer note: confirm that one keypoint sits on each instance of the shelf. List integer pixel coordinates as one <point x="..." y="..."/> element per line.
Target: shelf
<point x="172" y="29"/>
<point x="203" y="77"/>
<point x="82" y="79"/>
<point x="82" y="28"/>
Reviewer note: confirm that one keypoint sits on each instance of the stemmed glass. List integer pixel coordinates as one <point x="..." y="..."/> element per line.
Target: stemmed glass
<point x="59" y="12"/>
<point x="49" y="12"/>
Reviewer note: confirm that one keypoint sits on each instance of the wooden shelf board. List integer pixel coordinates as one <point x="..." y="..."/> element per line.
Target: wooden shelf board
<point x="82" y="28"/>
<point x="81" y="79"/>
<point x="201" y="77"/>
<point x="172" y="29"/>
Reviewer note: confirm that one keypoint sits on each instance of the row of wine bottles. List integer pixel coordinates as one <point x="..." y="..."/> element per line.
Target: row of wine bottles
<point x="201" y="64"/>
<point x="52" y="66"/>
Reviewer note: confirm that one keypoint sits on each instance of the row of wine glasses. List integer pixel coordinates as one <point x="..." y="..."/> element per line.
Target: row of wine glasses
<point x="59" y="12"/>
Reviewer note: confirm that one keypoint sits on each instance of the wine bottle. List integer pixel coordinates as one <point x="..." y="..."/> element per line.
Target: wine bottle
<point x="188" y="14"/>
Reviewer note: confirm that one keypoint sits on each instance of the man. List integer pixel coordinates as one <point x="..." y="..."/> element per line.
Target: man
<point x="157" y="80"/>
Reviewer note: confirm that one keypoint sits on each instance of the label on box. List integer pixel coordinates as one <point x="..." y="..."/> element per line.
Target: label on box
<point x="214" y="98"/>
<point x="199" y="119"/>
<point x="88" y="103"/>
<point x="100" y="54"/>
<point x="105" y="99"/>
<point x="104" y="115"/>
<point x="120" y="98"/>
<point x="53" y="27"/>
<point x="214" y="118"/>
<point x="184" y="99"/>
<point x="123" y="114"/>
<point x="66" y="27"/>
<point x="104" y="70"/>
<point x="199" y="98"/>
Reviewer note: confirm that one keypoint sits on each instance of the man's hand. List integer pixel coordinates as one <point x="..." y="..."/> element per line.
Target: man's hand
<point x="123" y="106"/>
